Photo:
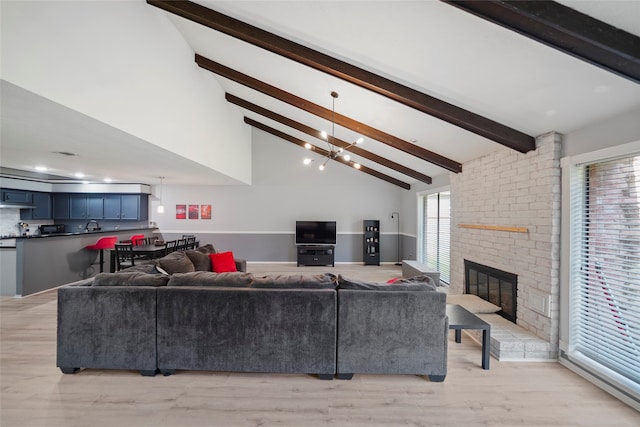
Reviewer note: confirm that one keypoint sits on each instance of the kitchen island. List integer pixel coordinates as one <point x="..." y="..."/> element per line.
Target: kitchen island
<point x="48" y="261"/>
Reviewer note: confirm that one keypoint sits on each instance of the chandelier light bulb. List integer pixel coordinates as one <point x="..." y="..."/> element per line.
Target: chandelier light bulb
<point x="321" y="167"/>
<point x="307" y="146"/>
<point x="346" y="157"/>
<point x="324" y="134"/>
<point x="307" y="161"/>
<point x="360" y="140"/>
<point x="356" y="165"/>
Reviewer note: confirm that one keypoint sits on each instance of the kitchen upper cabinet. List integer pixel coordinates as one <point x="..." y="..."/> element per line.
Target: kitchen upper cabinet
<point x="95" y="206"/>
<point x="125" y="207"/>
<point x="135" y="207"/>
<point x="61" y="206"/>
<point x="42" y="210"/>
<point x="16" y="196"/>
<point x="87" y="206"/>
<point x="112" y="206"/>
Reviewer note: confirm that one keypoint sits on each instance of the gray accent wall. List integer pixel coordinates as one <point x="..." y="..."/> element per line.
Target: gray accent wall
<point x="257" y="222"/>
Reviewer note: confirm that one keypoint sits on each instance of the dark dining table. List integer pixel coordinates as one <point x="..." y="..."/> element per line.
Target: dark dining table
<point x="149" y="251"/>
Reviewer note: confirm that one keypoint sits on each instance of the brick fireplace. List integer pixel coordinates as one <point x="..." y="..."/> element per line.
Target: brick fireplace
<point x="507" y="191"/>
<point x="493" y="285"/>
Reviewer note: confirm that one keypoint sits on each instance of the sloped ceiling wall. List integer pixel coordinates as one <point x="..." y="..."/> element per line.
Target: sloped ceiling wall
<point x="124" y="64"/>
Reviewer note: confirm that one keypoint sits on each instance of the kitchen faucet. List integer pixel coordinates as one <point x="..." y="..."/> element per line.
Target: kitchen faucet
<point x="95" y="225"/>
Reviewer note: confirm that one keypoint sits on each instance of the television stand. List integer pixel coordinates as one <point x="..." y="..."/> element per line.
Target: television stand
<point x="315" y="255"/>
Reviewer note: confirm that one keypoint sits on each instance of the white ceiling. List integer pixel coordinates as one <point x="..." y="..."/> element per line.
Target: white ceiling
<point x="427" y="45"/>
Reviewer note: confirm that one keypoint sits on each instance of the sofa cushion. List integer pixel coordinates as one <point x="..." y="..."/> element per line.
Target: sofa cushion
<point x="130" y="279"/>
<point x="206" y="249"/>
<point x="147" y="267"/>
<point x="410" y="284"/>
<point x="176" y="262"/>
<point x="296" y="281"/>
<point x="201" y="261"/>
<point x="223" y="262"/>
<point x="208" y="278"/>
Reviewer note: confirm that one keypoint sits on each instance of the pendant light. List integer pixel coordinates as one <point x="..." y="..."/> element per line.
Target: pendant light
<point x="333" y="151"/>
<point x="161" y="206"/>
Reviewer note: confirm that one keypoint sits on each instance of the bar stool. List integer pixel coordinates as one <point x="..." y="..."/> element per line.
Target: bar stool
<point x="137" y="239"/>
<point x="102" y="244"/>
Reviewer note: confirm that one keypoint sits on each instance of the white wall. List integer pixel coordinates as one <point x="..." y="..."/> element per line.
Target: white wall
<point x="283" y="191"/>
<point x="124" y="64"/>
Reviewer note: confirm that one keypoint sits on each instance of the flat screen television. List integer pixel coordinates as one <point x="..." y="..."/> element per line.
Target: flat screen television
<point x="315" y="232"/>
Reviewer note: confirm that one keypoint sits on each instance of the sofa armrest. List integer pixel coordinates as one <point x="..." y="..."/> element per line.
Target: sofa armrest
<point x="241" y="264"/>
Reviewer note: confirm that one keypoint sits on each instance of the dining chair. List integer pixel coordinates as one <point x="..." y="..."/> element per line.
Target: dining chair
<point x="124" y="255"/>
<point x="181" y="245"/>
<point x="170" y="246"/>
<point x="191" y="242"/>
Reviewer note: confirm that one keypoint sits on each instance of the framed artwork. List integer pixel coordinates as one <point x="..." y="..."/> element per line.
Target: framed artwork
<point x="181" y="211"/>
<point x="205" y="211"/>
<point x="194" y="210"/>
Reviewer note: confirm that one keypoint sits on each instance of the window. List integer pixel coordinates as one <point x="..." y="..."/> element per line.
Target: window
<point x="604" y="296"/>
<point x="435" y="247"/>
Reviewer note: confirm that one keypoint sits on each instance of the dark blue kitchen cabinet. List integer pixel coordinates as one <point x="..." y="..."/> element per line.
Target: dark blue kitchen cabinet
<point x="42" y="207"/>
<point x="95" y="206"/>
<point x="61" y="206"/>
<point x="112" y="206"/>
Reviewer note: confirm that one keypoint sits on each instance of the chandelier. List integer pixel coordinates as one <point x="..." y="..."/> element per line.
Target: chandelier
<point x="334" y="151"/>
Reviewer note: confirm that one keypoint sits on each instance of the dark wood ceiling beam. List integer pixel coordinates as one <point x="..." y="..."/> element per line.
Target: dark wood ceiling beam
<point x="327" y="114"/>
<point x="565" y="29"/>
<point x="335" y="141"/>
<point x="325" y="153"/>
<point x="450" y="113"/>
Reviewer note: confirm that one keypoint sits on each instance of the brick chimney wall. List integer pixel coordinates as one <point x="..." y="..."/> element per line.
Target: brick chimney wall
<point x="507" y="188"/>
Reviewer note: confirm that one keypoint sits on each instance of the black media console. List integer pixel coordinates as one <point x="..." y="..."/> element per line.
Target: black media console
<point x="315" y="255"/>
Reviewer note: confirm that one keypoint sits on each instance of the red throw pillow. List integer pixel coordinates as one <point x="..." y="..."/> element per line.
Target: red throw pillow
<point x="223" y="262"/>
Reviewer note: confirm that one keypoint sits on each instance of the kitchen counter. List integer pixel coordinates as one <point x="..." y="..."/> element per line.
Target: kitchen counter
<point x="48" y="261"/>
<point x="110" y="231"/>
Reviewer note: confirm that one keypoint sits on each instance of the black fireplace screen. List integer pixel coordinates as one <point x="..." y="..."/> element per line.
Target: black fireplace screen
<point x="493" y="285"/>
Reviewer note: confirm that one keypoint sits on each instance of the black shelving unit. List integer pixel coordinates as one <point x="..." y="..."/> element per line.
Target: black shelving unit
<point x="371" y="242"/>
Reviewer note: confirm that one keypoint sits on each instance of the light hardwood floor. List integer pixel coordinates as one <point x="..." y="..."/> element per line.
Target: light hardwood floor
<point x="35" y="393"/>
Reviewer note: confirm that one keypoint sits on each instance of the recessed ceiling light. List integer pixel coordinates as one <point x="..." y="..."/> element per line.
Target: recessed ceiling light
<point x="41" y="168"/>
<point x="79" y="175"/>
<point x="107" y="180"/>
<point x="413" y="140"/>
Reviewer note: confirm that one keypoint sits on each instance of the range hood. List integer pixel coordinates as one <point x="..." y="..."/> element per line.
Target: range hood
<point x="16" y="205"/>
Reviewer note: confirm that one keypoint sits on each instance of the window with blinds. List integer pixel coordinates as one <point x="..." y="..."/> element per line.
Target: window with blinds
<point x="436" y="233"/>
<point x="605" y="270"/>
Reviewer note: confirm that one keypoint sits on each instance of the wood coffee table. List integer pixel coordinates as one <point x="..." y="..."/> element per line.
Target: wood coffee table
<point x="460" y="318"/>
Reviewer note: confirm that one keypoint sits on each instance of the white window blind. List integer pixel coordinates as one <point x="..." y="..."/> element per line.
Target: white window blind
<point x="605" y="269"/>
<point x="436" y="233"/>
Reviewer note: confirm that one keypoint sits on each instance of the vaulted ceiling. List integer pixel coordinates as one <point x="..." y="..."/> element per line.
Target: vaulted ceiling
<point x="429" y="85"/>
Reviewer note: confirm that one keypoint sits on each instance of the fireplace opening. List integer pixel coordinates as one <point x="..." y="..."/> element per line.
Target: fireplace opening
<point x="493" y="285"/>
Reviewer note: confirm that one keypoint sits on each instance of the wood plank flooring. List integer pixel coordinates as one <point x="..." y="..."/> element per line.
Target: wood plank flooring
<point x="35" y="393"/>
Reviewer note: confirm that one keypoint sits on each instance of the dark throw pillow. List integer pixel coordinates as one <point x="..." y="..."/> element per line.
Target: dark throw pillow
<point x="176" y="262"/>
<point x="200" y="261"/>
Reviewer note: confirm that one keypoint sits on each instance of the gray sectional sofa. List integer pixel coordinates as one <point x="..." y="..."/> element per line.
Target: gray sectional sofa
<point x="200" y="320"/>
